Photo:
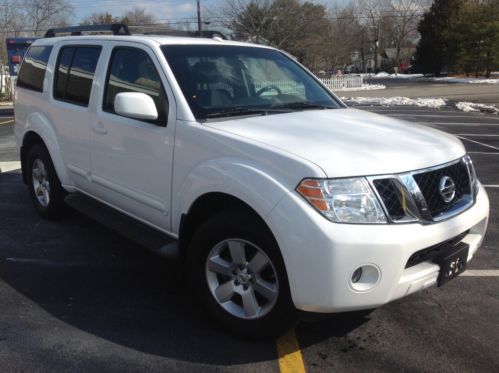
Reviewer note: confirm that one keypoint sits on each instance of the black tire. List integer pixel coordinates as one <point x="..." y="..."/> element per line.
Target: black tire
<point x="55" y="208"/>
<point x="239" y="223"/>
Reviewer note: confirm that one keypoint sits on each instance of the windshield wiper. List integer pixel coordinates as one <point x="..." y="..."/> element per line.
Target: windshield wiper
<point x="233" y="111"/>
<point x="301" y="105"/>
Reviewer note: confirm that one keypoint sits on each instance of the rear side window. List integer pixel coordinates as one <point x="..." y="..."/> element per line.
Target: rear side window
<point x="75" y="73"/>
<point x="132" y="70"/>
<point x="33" y="68"/>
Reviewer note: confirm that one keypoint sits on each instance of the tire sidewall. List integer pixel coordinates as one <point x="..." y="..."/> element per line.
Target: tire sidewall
<point x="235" y="224"/>
<point x="56" y="194"/>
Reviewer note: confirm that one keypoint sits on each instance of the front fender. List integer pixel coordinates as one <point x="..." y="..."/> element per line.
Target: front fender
<point x="38" y="123"/>
<point x="231" y="176"/>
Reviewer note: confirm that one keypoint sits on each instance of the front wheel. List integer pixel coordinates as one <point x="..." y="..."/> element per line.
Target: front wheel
<point x="238" y="271"/>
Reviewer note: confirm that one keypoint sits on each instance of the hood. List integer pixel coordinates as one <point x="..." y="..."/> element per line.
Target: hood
<point x="349" y="142"/>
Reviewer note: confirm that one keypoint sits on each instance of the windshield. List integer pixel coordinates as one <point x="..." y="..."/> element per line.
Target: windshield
<point x="222" y="80"/>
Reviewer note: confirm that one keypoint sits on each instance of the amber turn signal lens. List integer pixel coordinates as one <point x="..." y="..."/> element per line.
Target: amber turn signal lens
<point x="312" y="191"/>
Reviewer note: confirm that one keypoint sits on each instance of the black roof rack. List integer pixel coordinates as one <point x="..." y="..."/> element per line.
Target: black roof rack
<point x="115" y="28"/>
<point x="166" y="31"/>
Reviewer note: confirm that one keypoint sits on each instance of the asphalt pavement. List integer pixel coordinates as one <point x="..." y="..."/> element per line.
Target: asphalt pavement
<point x="414" y="88"/>
<point x="75" y="296"/>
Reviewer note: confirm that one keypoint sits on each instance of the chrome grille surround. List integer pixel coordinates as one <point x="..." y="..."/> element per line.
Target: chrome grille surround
<point x="403" y="200"/>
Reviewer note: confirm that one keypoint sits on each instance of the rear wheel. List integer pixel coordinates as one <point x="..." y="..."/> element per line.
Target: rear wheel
<point x="239" y="274"/>
<point x="45" y="188"/>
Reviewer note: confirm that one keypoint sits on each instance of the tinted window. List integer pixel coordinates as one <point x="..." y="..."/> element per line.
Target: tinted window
<point x="62" y="70"/>
<point x="132" y="70"/>
<point x="33" y="68"/>
<point x="75" y="74"/>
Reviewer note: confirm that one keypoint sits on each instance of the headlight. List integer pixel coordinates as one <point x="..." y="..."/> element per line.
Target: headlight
<point x="343" y="200"/>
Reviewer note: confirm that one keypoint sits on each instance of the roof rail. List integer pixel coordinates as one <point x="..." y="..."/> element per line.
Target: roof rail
<point x="115" y="28"/>
<point x="165" y="30"/>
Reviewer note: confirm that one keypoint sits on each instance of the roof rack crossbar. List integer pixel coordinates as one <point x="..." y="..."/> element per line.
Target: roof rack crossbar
<point x="115" y="28"/>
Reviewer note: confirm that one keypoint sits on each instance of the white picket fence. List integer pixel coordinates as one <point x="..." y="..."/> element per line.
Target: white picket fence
<point x="286" y="87"/>
<point x="290" y="87"/>
<point x="339" y="83"/>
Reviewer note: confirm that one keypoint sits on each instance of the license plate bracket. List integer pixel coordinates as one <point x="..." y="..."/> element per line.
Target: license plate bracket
<point x="452" y="263"/>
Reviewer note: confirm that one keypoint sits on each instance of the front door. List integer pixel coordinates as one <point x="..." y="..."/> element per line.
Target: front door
<point x="131" y="160"/>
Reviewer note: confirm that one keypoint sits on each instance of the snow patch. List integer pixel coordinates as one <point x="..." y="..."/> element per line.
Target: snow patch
<point x="385" y="75"/>
<point x="450" y="79"/>
<point x="396" y="101"/>
<point x="365" y="87"/>
<point x="473" y="107"/>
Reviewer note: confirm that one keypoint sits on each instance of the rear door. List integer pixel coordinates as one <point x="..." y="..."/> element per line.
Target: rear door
<point x="132" y="159"/>
<point x="72" y="105"/>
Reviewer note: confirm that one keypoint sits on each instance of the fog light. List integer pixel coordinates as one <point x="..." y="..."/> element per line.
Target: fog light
<point x="357" y="275"/>
<point x="365" y="277"/>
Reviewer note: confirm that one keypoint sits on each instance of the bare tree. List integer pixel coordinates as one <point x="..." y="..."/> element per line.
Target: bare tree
<point x="41" y="14"/>
<point x="405" y="16"/>
<point x="10" y="25"/>
<point x="343" y="39"/>
<point x="370" y="17"/>
<point x="249" y="21"/>
<point x="138" y="16"/>
<point x="99" y="18"/>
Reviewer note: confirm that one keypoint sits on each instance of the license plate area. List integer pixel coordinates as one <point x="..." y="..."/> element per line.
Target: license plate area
<point x="452" y="263"/>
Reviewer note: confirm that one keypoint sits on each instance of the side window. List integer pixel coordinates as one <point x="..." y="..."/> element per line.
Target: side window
<point x="75" y="73"/>
<point x="132" y="70"/>
<point x="33" y="68"/>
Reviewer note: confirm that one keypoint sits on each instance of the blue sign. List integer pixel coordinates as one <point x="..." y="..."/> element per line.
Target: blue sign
<point x="16" y="49"/>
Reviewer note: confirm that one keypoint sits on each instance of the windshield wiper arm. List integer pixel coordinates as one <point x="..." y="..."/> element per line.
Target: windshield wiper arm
<point x="242" y="111"/>
<point x="301" y="105"/>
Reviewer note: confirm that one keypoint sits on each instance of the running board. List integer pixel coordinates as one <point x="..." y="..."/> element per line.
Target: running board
<point x="134" y="230"/>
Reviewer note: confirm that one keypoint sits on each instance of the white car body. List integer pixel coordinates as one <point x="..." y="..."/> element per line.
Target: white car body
<point x="155" y="174"/>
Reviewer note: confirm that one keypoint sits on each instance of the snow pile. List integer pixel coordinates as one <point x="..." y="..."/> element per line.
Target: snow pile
<point x="396" y="101"/>
<point x="472" y="107"/>
<point x="365" y="87"/>
<point x="450" y="79"/>
<point x="484" y="81"/>
<point x="385" y="75"/>
<point x="406" y="76"/>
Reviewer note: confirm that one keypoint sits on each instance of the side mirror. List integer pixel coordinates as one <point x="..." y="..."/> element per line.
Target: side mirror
<point x="135" y="105"/>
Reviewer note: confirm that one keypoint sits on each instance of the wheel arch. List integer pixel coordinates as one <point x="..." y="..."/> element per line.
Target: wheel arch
<point x="39" y="131"/>
<point x="206" y="206"/>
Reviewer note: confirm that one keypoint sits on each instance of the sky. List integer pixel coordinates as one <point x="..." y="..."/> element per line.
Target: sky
<point x="173" y="10"/>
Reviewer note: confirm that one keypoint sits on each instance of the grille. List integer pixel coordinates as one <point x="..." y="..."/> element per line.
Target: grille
<point x="387" y="191"/>
<point x="416" y="195"/>
<point x="429" y="181"/>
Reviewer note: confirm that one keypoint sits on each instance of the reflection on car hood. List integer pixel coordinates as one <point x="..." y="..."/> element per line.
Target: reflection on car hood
<point x="349" y="142"/>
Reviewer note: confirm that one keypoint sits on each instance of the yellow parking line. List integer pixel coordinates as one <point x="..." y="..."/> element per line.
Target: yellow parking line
<point x="7" y="121"/>
<point x="290" y="359"/>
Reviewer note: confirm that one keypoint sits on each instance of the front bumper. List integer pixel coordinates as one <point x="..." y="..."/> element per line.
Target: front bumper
<point x="321" y="256"/>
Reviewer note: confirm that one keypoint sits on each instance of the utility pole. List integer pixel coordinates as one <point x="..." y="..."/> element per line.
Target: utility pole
<point x="200" y="27"/>
<point x="376" y="45"/>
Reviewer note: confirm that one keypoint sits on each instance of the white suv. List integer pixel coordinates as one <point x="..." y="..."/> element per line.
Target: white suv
<point x="238" y="160"/>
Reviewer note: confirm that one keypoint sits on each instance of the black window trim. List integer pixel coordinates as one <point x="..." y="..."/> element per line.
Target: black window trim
<point x="31" y="88"/>
<point x="56" y="68"/>
<point x="106" y="80"/>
